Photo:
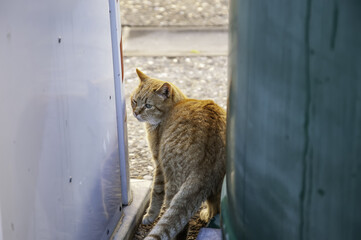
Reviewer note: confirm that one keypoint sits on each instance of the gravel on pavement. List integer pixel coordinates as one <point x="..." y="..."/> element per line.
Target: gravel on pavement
<point x="174" y="12"/>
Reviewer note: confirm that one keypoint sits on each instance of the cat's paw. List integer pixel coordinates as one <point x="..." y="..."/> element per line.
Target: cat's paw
<point x="205" y="215"/>
<point x="148" y="219"/>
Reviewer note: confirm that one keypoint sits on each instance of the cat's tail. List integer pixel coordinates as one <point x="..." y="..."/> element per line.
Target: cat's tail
<point x="182" y="207"/>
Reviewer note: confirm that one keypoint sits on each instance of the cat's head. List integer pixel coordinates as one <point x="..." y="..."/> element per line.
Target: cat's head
<point x="153" y="98"/>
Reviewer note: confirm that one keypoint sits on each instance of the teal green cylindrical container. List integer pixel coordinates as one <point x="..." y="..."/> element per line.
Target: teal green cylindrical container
<point x="294" y="121"/>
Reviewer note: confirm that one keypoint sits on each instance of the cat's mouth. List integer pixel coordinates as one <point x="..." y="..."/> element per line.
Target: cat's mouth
<point x="138" y="117"/>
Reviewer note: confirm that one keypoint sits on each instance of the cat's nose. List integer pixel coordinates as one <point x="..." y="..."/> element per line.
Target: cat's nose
<point x="136" y="112"/>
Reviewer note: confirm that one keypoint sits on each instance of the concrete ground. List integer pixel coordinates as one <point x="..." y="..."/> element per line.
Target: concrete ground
<point x="184" y="42"/>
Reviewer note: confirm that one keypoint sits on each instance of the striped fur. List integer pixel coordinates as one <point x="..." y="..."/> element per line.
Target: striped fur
<point x="187" y="140"/>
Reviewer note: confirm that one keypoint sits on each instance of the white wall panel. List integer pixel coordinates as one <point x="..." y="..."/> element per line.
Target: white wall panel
<point x="59" y="159"/>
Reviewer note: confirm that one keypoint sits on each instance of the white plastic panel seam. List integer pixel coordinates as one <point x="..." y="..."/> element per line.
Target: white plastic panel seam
<point x="115" y="27"/>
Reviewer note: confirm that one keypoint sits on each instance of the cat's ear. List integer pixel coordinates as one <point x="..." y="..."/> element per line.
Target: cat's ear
<point x="164" y="91"/>
<point x="142" y="76"/>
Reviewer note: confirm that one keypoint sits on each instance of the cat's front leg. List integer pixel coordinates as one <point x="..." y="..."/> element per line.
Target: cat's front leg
<point x="183" y="206"/>
<point x="171" y="190"/>
<point x="157" y="197"/>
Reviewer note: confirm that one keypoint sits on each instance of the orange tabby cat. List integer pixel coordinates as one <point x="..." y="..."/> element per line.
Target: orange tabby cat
<point x="187" y="141"/>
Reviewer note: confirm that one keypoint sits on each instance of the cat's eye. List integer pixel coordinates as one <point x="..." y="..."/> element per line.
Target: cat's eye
<point x="148" y="105"/>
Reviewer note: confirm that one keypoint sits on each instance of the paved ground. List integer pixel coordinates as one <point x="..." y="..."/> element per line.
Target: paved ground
<point x="175" y="41"/>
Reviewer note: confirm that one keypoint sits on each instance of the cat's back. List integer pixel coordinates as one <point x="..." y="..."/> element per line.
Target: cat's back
<point x="197" y="111"/>
<point x="195" y="127"/>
